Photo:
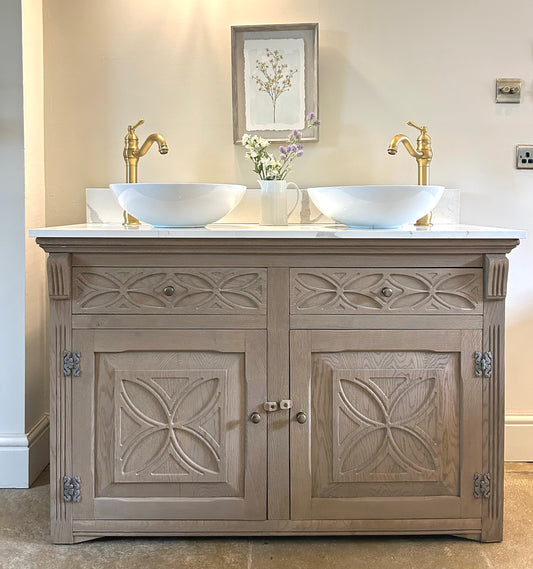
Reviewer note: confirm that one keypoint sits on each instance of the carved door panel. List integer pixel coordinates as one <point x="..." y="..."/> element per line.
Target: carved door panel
<point x="394" y="424"/>
<point x="162" y="417"/>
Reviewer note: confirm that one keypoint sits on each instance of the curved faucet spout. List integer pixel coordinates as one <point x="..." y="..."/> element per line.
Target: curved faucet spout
<point x="393" y="146"/>
<point x="161" y="142"/>
<point x="132" y="153"/>
<point x="423" y="155"/>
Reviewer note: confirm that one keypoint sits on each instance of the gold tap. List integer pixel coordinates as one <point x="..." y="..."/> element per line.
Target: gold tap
<point x="423" y="155"/>
<point x="132" y="153"/>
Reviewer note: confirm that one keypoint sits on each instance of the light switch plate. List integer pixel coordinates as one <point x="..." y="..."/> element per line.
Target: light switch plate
<point x="508" y="90"/>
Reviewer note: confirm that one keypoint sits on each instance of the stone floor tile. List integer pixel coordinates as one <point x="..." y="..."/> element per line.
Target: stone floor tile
<point x="369" y="553"/>
<point x="25" y="543"/>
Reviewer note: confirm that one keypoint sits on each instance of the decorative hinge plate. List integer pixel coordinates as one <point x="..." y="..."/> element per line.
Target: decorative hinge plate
<point x="71" y="363"/>
<point x="483" y="364"/>
<point x="71" y="489"/>
<point x="481" y="485"/>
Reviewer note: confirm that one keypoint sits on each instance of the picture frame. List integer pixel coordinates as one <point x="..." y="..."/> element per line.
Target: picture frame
<point x="274" y="80"/>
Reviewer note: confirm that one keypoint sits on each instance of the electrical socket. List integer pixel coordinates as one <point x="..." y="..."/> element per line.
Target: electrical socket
<point x="524" y="157"/>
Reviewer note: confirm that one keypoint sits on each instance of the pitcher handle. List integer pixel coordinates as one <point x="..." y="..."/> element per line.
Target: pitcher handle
<point x="298" y="196"/>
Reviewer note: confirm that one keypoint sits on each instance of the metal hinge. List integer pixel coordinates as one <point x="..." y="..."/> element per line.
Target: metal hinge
<point x="483" y="364"/>
<point x="481" y="485"/>
<point x="71" y="363"/>
<point x="71" y="489"/>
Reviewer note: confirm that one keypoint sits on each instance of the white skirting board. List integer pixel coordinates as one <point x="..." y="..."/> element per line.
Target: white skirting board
<point x="24" y="456"/>
<point x="519" y="437"/>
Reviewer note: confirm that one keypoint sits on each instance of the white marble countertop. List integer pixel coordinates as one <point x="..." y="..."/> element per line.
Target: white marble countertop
<point x="293" y="231"/>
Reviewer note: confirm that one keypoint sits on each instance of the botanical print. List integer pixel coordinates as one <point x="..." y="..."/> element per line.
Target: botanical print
<point x="274" y="84"/>
<point x="273" y="77"/>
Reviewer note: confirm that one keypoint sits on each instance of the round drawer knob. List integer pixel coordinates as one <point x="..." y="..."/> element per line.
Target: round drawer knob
<point x="168" y="291"/>
<point x="386" y="291"/>
<point x="255" y="418"/>
<point x="301" y="417"/>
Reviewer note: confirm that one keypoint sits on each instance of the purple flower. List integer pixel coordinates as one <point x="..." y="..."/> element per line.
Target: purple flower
<point x="283" y="149"/>
<point x="311" y="120"/>
<point x="296" y="134"/>
<point x="300" y="153"/>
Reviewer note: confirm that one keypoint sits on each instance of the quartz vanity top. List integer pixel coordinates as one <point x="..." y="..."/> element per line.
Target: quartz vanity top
<point x="293" y="231"/>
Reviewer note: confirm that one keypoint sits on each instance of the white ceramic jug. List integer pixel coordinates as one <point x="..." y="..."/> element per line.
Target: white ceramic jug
<point x="274" y="201"/>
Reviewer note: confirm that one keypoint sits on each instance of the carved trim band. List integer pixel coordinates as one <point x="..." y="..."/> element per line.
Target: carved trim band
<point x="497" y="269"/>
<point x="59" y="276"/>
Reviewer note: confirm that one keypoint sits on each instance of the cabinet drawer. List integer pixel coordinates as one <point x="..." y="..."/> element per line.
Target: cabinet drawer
<point x="125" y="290"/>
<point x="386" y="291"/>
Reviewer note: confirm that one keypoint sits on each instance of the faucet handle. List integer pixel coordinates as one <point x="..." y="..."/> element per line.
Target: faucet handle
<point x="132" y="128"/>
<point x="422" y="129"/>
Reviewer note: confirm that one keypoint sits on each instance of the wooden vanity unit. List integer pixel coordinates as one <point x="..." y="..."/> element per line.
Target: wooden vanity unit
<point x="276" y="383"/>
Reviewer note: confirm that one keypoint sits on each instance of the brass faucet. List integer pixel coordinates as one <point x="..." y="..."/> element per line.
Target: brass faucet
<point x="132" y="153"/>
<point x="423" y="155"/>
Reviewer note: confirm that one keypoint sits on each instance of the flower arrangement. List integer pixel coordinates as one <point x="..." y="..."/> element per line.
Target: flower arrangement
<point x="266" y="165"/>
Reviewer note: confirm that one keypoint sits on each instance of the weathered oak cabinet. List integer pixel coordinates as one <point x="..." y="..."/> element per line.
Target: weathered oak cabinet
<point x="276" y="386"/>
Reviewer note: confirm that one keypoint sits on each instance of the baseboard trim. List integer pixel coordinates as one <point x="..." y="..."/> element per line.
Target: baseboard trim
<point x="39" y="448"/>
<point x="519" y="437"/>
<point x="38" y="430"/>
<point x="23" y="456"/>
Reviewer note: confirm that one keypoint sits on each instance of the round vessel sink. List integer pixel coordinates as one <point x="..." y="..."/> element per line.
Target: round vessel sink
<point x="379" y="207"/>
<point x="178" y="205"/>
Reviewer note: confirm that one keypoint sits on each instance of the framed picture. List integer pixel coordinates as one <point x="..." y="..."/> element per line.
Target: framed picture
<point x="275" y="80"/>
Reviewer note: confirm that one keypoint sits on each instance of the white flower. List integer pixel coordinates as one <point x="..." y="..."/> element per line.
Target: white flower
<point x="266" y="166"/>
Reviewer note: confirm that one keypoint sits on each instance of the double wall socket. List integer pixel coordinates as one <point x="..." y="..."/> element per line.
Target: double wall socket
<point x="524" y="157"/>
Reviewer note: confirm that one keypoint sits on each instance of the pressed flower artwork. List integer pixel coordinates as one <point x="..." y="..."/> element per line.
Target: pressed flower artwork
<point x="274" y="81"/>
<point x="274" y="72"/>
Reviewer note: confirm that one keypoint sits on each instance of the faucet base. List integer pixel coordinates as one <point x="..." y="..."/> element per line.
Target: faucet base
<point x="424" y="221"/>
<point x="129" y="219"/>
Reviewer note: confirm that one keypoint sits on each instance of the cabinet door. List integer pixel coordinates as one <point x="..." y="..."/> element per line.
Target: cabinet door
<point x="161" y="427"/>
<point x="393" y="428"/>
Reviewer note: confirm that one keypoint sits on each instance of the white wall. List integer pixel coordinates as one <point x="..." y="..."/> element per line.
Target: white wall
<point x="108" y="64"/>
<point x="23" y="418"/>
<point x="11" y="232"/>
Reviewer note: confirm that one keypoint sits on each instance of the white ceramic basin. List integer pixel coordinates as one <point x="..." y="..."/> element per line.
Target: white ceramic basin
<point x="178" y="205"/>
<point x="380" y="207"/>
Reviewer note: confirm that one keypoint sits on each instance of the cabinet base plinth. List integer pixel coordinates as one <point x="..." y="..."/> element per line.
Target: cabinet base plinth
<point x="86" y="530"/>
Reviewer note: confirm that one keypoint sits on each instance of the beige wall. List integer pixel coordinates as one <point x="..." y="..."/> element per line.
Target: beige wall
<point x="108" y="64"/>
<point x="36" y="301"/>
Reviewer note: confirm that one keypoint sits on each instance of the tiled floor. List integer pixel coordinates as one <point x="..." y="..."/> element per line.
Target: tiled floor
<point x="25" y="543"/>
